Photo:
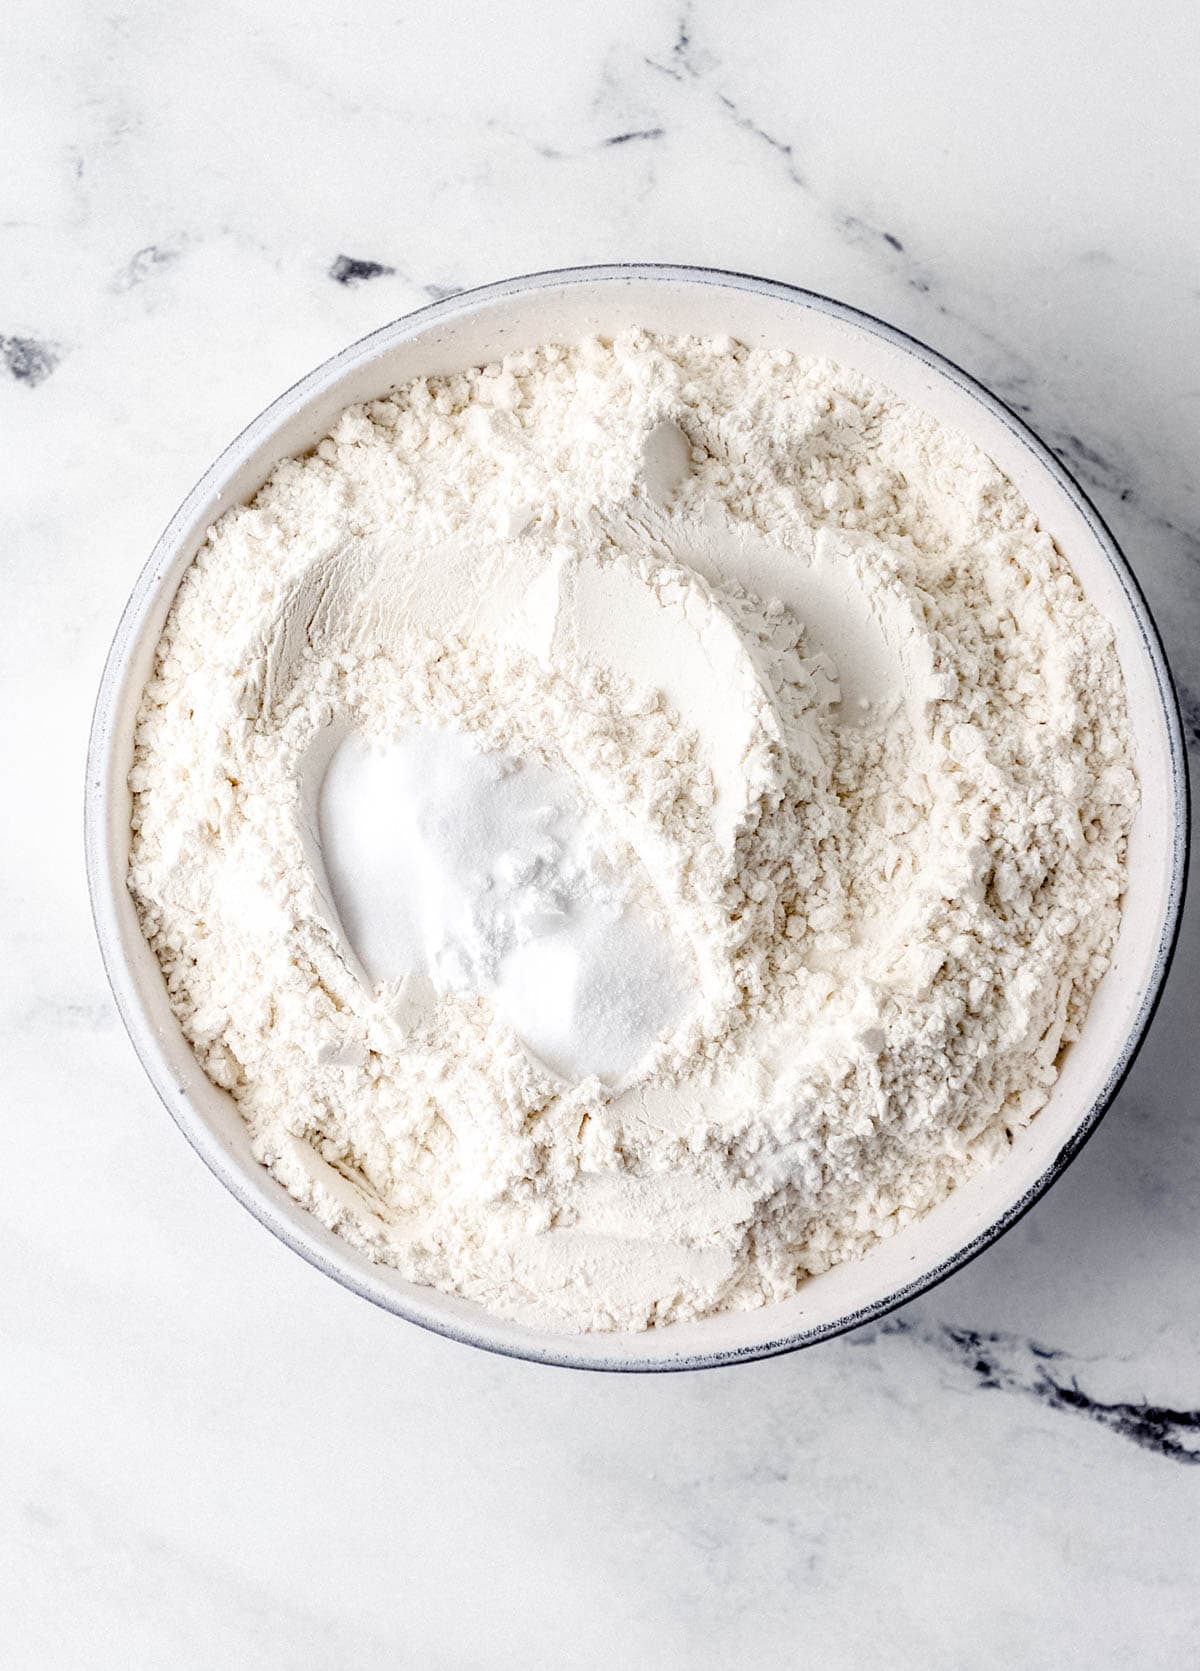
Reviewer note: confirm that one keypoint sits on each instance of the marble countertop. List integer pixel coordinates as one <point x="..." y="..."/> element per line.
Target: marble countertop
<point x="212" y="1455"/>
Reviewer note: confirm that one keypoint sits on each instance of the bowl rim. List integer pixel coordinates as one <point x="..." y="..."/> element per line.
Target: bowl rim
<point x="146" y="589"/>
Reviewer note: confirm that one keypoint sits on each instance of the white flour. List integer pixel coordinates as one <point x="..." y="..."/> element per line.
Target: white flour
<point x="633" y="825"/>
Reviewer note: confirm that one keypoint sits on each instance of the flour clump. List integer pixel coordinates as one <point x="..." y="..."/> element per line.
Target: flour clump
<point x="631" y="825"/>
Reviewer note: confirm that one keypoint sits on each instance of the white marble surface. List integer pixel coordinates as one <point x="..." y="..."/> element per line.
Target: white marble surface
<point x="211" y="1455"/>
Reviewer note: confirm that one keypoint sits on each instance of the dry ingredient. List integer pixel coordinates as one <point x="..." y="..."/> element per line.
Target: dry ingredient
<point x="631" y="825"/>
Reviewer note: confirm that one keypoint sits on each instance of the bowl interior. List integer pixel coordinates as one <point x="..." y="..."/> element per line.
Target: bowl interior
<point x="475" y="329"/>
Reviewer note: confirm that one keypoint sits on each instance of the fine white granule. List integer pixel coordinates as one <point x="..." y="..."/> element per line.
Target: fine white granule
<point x="806" y="701"/>
<point x="482" y="873"/>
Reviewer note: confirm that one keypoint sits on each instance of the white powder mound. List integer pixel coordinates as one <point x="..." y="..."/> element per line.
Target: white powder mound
<point x="632" y="825"/>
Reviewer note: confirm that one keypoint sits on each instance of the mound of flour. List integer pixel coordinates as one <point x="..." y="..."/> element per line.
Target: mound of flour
<point x="631" y="825"/>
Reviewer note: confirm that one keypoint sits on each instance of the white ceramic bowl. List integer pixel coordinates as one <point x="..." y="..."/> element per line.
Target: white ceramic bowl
<point x="469" y="330"/>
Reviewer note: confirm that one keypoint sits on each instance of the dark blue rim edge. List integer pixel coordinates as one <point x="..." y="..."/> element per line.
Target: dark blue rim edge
<point x="467" y="300"/>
